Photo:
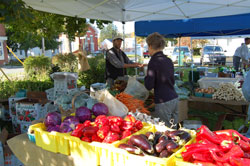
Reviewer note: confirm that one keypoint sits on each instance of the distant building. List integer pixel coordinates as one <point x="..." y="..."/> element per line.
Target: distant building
<point x="89" y="42"/>
<point x="3" y="49"/>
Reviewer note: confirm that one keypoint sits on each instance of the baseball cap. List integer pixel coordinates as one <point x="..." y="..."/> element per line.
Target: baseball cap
<point x="117" y="37"/>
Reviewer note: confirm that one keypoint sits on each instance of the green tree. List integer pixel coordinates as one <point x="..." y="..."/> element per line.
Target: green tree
<point x="199" y="43"/>
<point x="172" y="40"/>
<point x="26" y="23"/>
<point x="108" y="32"/>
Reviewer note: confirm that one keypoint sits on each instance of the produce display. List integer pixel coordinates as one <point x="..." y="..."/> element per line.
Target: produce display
<point x="209" y="90"/>
<point x="131" y="103"/>
<point x="53" y="120"/>
<point x="229" y="91"/>
<point x="159" y="144"/>
<point x="222" y="148"/>
<point x="146" y="118"/>
<point x="107" y="129"/>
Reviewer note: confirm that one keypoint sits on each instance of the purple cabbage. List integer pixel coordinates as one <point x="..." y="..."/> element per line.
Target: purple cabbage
<point x="83" y="113"/>
<point x="72" y="121"/>
<point x="52" y="119"/>
<point x="100" y="109"/>
<point x="65" y="127"/>
<point x="53" y="128"/>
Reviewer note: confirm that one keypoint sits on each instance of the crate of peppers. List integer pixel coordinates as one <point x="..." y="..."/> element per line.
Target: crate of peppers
<point x="85" y="133"/>
<point x="218" y="148"/>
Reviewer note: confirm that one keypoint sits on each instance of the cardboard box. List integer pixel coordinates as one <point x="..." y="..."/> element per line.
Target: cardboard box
<point x="12" y="104"/>
<point x="183" y="110"/>
<point x="31" y="108"/>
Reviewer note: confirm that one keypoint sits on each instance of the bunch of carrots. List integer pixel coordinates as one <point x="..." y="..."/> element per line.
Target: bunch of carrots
<point x="131" y="103"/>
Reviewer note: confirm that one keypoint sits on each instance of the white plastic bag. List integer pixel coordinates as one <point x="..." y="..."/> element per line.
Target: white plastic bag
<point x="136" y="89"/>
<point x="116" y="108"/>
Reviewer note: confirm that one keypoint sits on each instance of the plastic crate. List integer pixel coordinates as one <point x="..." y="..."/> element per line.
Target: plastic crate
<point x="198" y="94"/>
<point x="96" y="153"/>
<point x="206" y="82"/>
<point x="52" y="141"/>
<point x="116" y="156"/>
<point x="208" y="95"/>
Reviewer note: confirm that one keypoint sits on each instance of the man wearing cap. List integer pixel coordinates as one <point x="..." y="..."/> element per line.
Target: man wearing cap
<point x="117" y="62"/>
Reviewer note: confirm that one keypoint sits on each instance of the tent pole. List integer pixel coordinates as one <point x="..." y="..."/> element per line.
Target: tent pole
<point x="179" y="56"/>
<point x="192" y="59"/>
<point x="135" y="57"/>
<point x="123" y="29"/>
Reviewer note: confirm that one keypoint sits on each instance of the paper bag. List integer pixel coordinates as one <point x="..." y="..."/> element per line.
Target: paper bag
<point x="83" y="61"/>
<point x="116" y="108"/>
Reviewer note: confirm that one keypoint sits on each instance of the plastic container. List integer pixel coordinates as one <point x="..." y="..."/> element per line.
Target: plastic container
<point x="116" y="156"/>
<point x="31" y="137"/>
<point x="96" y="153"/>
<point x="198" y="94"/>
<point x="208" y="95"/>
<point x="206" y="82"/>
<point x="52" y="141"/>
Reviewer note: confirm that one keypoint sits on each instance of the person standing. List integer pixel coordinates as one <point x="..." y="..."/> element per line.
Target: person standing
<point x="160" y="77"/>
<point x="241" y="53"/>
<point x="117" y="62"/>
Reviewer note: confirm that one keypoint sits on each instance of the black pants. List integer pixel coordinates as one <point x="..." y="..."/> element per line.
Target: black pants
<point x="236" y="63"/>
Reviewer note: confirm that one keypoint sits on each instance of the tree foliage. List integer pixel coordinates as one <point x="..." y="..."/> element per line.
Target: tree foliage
<point x="27" y="26"/>
<point x="108" y="32"/>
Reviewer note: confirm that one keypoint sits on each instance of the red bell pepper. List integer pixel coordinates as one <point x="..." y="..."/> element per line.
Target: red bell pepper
<point x="233" y="134"/>
<point x="247" y="155"/>
<point x="111" y="137"/>
<point x="101" y="120"/>
<point x="130" y="118"/>
<point x="87" y="123"/>
<point x="103" y="131"/>
<point x="197" y="148"/>
<point x="244" y="145"/>
<point x="96" y="138"/>
<point x="86" y="139"/>
<point x="78" y="132"/>
<point x="126" y="125"/>
<point x="138" y="125"/>
<point x="202" y="163"/>
<point x="126" y="133"/>
<point x="115" y="128"/>
<point x="236" y="151"/>
<point x="202" y="156"/>
<point x="204" y="132"/>
<point x="115" y="120"/>
<point x="89" y="131"/>
<point x="226" y="145"/>
<point x="239" y="161"/>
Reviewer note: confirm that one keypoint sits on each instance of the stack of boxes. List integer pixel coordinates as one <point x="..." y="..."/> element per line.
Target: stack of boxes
<point x="64" y="82"/>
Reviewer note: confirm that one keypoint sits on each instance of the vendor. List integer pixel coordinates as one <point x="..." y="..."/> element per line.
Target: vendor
<point x="160" y="77"/>
<point x="241" y="53"/>
<point x="117" y="62"/>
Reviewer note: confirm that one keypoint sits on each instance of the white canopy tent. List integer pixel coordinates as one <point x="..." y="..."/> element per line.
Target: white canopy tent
<point x="137" y="10"/>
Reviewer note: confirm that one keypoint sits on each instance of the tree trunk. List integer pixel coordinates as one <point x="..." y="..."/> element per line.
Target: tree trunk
<point x="26" y="53"/>
<point x="70" y="48"/>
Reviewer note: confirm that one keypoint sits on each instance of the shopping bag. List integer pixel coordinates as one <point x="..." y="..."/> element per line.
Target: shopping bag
<point x="136" y="89"/>
<point x="116" y="108"/>
<point x="246" y="87"/>
<point x="83" y="64"/>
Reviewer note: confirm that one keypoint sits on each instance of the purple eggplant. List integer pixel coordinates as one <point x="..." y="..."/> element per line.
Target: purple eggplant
<point x="157" y="136"/>
<point x="165" y="154"/>
<point x="172" y="146"/>
<point x="130" y="148"/>
<point x="162" y="138"/>
<point x="150" y="136"/>
<point x="142" y="143"/>
<point x="161" y="146"/>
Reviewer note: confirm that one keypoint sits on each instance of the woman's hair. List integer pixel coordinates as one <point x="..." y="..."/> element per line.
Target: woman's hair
<point x="156" y="41"/>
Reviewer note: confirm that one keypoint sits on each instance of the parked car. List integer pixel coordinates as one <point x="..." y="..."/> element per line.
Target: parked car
<point x="181" y="50"/>
<point x="213" y="55"/>
<point x="145" y="52"/>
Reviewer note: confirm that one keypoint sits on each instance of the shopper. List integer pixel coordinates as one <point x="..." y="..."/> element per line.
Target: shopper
<point x="117" y="62"/>
<point x="241" y="53"/>
<point x="160" y="77"/>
